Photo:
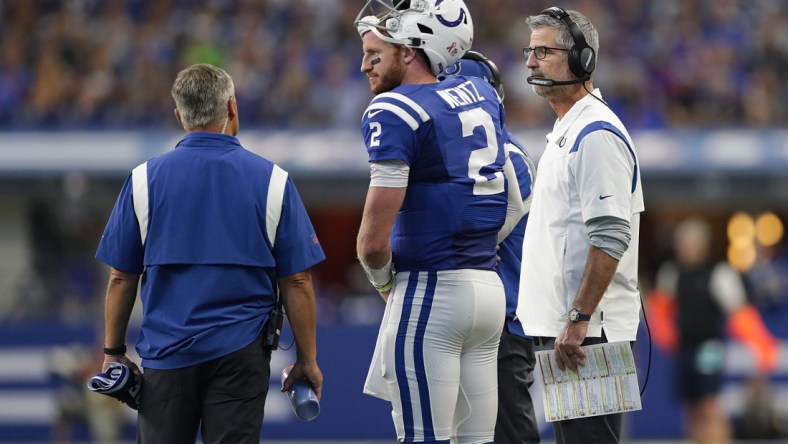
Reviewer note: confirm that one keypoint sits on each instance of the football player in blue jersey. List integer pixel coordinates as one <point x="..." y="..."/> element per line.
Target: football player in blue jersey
<point x="516" y="359"/>
<point x="435" y="211"/>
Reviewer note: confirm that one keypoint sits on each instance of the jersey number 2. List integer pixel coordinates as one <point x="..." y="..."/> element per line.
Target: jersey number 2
<point x="374" y="137"/>
<point x="481" y="157"/>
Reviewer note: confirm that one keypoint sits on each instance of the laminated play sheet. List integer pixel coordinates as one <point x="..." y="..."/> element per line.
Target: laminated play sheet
<point x="607" y="383"/>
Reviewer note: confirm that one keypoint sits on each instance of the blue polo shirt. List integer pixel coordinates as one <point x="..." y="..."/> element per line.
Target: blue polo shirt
<point x="211" y="228"/>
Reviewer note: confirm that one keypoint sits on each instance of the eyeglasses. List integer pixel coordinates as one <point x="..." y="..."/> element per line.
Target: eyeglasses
<point x="540" y="52"/>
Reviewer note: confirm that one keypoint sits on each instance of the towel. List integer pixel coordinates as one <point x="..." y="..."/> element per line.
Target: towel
<point x="118" y="382"/>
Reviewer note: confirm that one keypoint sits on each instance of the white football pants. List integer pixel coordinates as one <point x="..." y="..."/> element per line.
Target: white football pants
<point x="436" y="355"/>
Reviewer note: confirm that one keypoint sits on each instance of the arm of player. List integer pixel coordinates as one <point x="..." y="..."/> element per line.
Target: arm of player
<point x="298" y="298"/>
<point x="373" y="245"/>
<point x="515" y="210"/>
<point x="120" y="298"/>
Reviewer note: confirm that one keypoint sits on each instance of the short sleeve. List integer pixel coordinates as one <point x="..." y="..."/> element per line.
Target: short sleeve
<point x="296" y="247"/>
<point x="603" y="170"/>
<point x="667" y="278"/>
<point x="389" y="131"/>
<point x="727" y="288"/>
<point x="523" y="166"/>
<point x="121" y="244"/>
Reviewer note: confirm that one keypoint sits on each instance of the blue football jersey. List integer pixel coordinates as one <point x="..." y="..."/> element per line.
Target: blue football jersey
<point x="511" y="250"/>
<point x="450" y="134"/>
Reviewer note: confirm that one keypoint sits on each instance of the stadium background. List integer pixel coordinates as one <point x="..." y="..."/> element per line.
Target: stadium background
<point x="84" y="97"/>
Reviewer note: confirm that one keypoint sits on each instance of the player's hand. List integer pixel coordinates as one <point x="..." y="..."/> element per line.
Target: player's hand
<point x="568" y="352"/>
<point x="309" y="371"/>
<point x="124" y="359"/>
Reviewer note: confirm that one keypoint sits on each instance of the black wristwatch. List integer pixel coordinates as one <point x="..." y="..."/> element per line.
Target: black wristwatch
<point x="576" y="316"/>
<point x="115" y="351"/>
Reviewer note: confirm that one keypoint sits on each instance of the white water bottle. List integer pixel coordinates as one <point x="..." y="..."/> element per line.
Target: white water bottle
<point x="303" y="399"/>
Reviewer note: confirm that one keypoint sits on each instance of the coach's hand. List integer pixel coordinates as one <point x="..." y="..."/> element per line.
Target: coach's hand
<point x="568" y="352"/>
<point x="123" y="359"/>
<point x="305" y="370"/>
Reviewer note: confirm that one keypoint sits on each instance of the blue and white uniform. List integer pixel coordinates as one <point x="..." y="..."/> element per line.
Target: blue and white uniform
<point x="516" y="420"/>
<point x="589" y="169"/>
<point x="210" y="226"/>
<point x="512" y="247"/>
<point x="435" y="359"/>
<point x="456" y="196"/>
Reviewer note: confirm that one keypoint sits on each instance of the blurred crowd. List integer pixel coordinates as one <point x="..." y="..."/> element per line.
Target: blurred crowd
<point x="93" y="64"/>
<point x="109" y="65"/>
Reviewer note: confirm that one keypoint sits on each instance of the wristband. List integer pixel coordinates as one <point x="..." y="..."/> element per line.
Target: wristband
<point x="381" y="278"/>
<point x="115" y="351"/>
<point x="385" y="287"/>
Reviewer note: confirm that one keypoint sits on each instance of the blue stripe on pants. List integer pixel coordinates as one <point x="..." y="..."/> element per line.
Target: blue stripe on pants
<point x="418" y="355"/>
<point x="399" y="356"/>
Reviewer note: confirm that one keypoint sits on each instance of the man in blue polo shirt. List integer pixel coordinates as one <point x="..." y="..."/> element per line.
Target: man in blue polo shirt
<point x="215" y="232"/>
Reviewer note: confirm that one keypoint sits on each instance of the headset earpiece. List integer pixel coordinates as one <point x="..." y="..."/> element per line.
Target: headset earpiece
<point x="581" y="57"/>
<point x="496" y="74"/>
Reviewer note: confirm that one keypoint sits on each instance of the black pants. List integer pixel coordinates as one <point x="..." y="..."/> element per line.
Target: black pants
<point x="225" y="397"/>
<point x="516" y="423"/>
<point x="603" y="429"/>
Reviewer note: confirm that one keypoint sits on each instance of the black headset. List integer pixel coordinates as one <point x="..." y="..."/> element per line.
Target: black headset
<point x="495" y="81"/>
<point x="581" y="57"/>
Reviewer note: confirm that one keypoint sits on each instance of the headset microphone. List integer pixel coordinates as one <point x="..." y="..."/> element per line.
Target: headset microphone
<point x="550" y="82"/>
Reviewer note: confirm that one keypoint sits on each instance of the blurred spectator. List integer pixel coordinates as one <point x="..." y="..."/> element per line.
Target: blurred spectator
<point x="103" y="65"/>
<point x="706" y="295"/>
<point x="64" y="221"/>
<point x="767" y="283"/>
<point x="768" y="278"/>
<point x="760" y="418"/>
<point x="102" y="416"/>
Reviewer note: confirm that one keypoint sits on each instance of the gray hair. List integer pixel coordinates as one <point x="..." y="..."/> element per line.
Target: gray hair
<point x="565" y="39"/>
<point x="201" y="93"/>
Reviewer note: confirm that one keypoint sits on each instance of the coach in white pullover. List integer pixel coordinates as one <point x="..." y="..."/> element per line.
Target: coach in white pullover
<point x="579" y="270"/>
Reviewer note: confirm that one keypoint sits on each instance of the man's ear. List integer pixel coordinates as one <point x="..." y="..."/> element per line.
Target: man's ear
<point x="408" y="54"/>
<point x="232" y="108"/>
<point x="178" y="117"/>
